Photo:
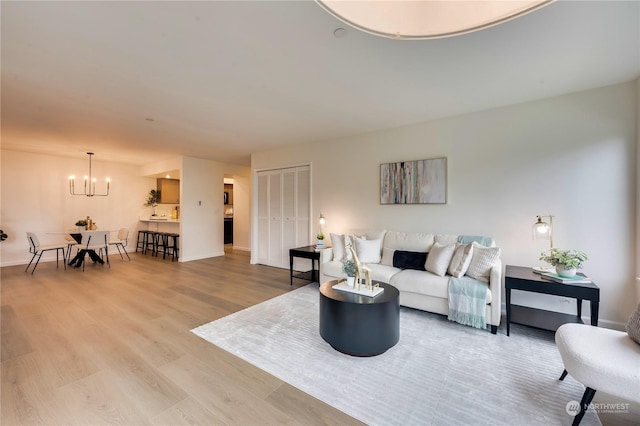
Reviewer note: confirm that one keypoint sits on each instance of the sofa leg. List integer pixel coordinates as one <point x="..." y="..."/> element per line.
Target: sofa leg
<point x="587" y="397"/>
<point x="564" y="374"/>
<point x="494" y="329"/>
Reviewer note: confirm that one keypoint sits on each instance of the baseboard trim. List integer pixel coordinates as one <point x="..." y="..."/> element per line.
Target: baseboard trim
<point x="207" y="256"/>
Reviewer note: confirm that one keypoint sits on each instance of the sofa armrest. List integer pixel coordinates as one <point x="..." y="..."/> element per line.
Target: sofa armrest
<point x="495" y="285"/>
<point x="326" y="255"/>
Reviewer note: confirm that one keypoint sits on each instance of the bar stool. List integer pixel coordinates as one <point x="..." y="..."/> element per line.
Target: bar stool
<point x="151" y="241"/>
<point x="161" y="243"/>
<point x="142" y="240"/>
<point x="171" y="245"/>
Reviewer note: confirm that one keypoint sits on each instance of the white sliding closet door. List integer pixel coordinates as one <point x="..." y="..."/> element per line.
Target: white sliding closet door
<point x="283" y="213"/>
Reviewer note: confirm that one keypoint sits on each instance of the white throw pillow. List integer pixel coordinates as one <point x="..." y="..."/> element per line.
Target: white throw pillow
<point x="460" y="260"/>
<point x="337" y="244"/>
<point x="387" y="256"/>
<point x="482" y="261"/>
<point x="340" y="244"/>
<point x="439" y="258"/>
<point x="368" y="251"/>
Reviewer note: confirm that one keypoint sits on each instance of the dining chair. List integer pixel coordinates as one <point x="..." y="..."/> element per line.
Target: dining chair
<point x="123" y="240"/>
<point x="97" y="241"/>
<point x="38" y="249"/>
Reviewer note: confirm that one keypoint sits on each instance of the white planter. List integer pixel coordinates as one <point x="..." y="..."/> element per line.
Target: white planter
<point x="351" y="281"/>
<point x="567" y="273"/>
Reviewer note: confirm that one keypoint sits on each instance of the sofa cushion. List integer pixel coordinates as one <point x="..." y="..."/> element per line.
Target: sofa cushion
<point x="383" y="273"/>
<point x="369" y="234"/>
<point x="439" y="259"/>
<point x="460" y="260"/>
<point x="409" y="241"/>
<point x="446" y="239"/>
<point x="482" y="261"/>
<point x="421" y="282"/>
<point x="425" y="283"/>
<point x="368" y="251"/>
<point x="409" y="259"/>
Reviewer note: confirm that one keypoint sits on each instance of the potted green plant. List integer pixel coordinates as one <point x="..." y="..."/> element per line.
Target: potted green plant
<point x="320" y="239"/>
<point x="349" y="268"/>
<point x="567" y="262"/>
<point x="152" y="200"/>
<point x="81" y="224"/>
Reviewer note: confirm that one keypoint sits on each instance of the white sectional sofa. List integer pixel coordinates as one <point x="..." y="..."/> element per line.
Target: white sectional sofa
<point x="419" y="289"/>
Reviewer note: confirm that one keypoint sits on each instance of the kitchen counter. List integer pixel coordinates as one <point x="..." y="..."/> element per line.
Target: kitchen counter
<point x="165" y="220"/>
<point x="161" y="225"/>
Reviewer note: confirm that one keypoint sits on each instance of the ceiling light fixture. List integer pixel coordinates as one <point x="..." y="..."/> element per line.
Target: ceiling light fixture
<point x="427" y="19"/>
<point x="91" y="191"/>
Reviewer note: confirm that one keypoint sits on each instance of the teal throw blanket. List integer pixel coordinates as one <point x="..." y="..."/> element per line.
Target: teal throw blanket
<point x="468" y="239"/>
<point x="468" y="301"/>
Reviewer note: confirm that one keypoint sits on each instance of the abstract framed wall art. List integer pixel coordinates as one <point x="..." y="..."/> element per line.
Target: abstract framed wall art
<point x="414" y="182"/>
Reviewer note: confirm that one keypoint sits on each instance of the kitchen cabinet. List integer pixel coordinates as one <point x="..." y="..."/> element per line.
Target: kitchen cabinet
<point x="169" y="191"/>
<point x="228" y="230"/>
<point x="228" y="191"/>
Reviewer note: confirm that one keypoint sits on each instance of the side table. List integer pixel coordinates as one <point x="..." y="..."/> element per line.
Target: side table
<point x="524" y="279"/>
<point x="306" y="252"/>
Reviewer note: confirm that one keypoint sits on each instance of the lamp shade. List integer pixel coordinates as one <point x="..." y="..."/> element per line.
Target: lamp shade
<point x="322" y="220"/>
<point x="541" y="230"/>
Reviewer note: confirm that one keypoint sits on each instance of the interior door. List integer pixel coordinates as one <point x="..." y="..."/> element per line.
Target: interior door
<point x="275" y="219"/>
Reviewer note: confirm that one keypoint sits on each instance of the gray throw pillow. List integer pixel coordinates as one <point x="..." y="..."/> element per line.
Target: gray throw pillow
<point x="633" y="326"/>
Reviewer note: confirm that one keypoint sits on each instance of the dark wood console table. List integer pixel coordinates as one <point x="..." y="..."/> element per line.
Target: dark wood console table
<point x="524" y="279"/>
<point x="307" y="252"/>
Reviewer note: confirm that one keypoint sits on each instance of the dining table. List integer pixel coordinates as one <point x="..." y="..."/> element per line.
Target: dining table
<point x="80" y="256"/>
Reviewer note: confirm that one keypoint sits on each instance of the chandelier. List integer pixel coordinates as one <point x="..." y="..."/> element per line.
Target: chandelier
<point x="89" y="184"/>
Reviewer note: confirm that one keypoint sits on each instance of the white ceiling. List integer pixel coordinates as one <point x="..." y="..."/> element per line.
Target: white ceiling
<point x="222" y="79"/>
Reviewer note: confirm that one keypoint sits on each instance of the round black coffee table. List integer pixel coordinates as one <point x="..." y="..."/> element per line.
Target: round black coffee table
<point x="359" y="325"/>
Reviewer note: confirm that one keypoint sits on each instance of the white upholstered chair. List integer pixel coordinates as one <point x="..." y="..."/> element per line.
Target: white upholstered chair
<point x="602" y="360"/>
<point x="38" y="249"/>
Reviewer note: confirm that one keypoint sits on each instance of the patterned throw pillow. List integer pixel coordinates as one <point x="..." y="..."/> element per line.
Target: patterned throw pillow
<point x="439" y="259"/>
<point x="633" y="325"/>
<point x="460" y="260"/>
<point x="482" y="261"/>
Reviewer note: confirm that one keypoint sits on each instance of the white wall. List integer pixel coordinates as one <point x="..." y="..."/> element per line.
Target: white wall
<point x="35" y="197"/>
<point x="202" y="213"/>
<point x="572" y="156"/>
<point x="638" y="191"/>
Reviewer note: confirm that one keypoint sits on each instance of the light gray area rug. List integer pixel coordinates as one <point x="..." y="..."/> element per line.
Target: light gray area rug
<point x="439" y="373"/>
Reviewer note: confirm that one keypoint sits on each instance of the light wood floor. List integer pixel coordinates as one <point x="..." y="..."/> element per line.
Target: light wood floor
<point x="113" y="346"/>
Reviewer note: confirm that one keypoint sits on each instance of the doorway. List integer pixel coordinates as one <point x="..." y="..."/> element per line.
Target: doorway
<point x="228" y="211"/>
